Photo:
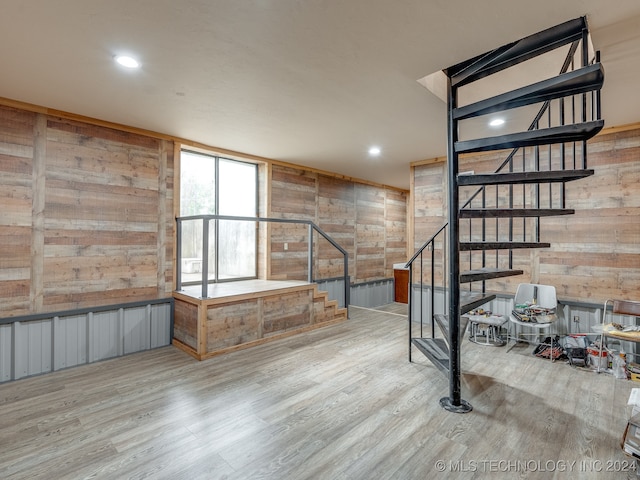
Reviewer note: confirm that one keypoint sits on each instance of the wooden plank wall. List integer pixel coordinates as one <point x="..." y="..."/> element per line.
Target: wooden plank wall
<point x="88" y="215"/>
<point x="368" y="221"/>
<point x="17" y="199"/>
<point x="429" y="212"/>
<point x="594" y="254"/>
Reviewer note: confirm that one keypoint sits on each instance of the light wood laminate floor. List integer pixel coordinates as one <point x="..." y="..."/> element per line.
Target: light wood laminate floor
<point x="341" y="402"/>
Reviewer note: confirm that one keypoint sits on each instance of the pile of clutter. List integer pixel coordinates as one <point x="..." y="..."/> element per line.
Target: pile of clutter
<point x="579" y="352"/>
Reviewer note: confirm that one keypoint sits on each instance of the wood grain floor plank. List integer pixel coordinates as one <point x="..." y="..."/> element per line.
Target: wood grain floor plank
<point x="340" y="402"/>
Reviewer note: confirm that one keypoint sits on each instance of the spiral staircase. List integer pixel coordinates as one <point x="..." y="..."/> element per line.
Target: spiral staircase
<point x="493" y="214"/>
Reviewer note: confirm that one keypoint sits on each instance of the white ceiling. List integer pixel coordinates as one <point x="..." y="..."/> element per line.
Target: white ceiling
<point x="312" y="82"/>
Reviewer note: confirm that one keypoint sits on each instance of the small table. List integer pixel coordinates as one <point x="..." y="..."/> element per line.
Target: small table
<point x="484" y="329"/>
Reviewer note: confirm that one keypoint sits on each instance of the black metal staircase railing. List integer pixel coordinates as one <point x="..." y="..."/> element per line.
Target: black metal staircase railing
<point x="527" y="185"/>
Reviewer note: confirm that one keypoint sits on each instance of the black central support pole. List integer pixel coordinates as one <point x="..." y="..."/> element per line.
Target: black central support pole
<point x="454" y="402"/>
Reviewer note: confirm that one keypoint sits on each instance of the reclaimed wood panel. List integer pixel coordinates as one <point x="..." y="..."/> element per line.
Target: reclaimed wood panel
<point x="395" y="229"/>
<point x="594" y="254"/>
<point x="370" y="231"/>
<point x="429" y="201"/>
<point x="429" y="214"/>
<point x="185" y="324"/>
<point x="233" y="324"/>
<point x="17" y="141"/>
<point x="293" y="193"/>
<point x="336" y="216"/>
<point x="101" y="206"/>
<point x="289" y="251"/>
<point x="89" y="214"/>
<point x="368" y="221"/>
<point x="245" y="314"/>
<point x="166" y="221"/>
<point x="286" y="312"/>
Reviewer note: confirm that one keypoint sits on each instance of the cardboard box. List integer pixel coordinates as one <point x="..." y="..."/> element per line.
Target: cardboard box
<point x="631" y="437"/>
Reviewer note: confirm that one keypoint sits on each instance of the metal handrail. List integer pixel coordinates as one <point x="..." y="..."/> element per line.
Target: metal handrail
<point x="205" y="240"/>
<point x="508" y="161"/>
<point x="430" y="245"/>
<point x="425" y="245"/>
<point x="534" y="123"/>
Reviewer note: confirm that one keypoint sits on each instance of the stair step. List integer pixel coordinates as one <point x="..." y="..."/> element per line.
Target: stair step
<point x="578" y="81"/>
<point x="443" y="323"/>
<point x="543" y="136"/>
<point x="471" y="300"/>
<point x="516" y="52"/>
<point x="547" y="176"/>
<point x="487" y="274"/>
<point x="469" y="246"/>
<point x="514" y="212"/>
<point x="436" y="350"/>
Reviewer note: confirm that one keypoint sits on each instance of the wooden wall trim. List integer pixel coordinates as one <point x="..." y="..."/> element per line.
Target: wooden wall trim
<point x="411" y="208"/>
<point x="428" y="161"/>
<point x="38" y="219"/>
<point x="183" y="142"/>
<point x="161" y="241"/>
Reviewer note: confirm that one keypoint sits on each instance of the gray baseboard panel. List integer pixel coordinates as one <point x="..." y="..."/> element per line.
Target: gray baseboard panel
<point x="42" y="344"/>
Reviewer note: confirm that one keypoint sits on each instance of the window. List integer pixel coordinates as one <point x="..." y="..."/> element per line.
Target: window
<point x="211" y="185"/>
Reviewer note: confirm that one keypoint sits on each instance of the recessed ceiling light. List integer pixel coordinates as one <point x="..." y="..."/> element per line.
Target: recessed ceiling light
<point x="126" y="61"/>
<point x="496" y="122"/>
<point x="374" y="151"/>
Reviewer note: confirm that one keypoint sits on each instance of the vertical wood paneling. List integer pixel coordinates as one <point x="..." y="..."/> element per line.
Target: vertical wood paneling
<point x="38" y="218"/>
<point x="166" y="220"/>
<point x="164" y="207"/>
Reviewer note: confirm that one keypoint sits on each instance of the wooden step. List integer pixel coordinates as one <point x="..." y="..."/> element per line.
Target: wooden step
<point x="436" y="350"/>
<point x="514" y="212"/>
<point x="487" y="274"/>
<point x="472" y="300"/>
<point x="578" y="81"/>
<point x="543" y="136"/>
<point x="472" y="246"/>
<point x="443" y="322"/>
<point x="546" y="176"/>
<point x="516" y="52"/>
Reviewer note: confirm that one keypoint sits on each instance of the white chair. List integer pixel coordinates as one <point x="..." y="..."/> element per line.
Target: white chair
<point x="543" y="296"/>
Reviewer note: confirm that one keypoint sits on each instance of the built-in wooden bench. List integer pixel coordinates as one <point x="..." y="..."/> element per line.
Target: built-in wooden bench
<point x="238" y="315"/>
